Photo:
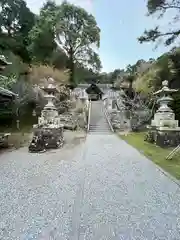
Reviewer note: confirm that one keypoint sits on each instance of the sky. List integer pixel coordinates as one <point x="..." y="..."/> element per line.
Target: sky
<point x="121" y="23"/>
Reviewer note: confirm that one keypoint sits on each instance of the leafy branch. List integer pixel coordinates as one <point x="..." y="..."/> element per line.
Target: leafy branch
<point x="162" y="6"/>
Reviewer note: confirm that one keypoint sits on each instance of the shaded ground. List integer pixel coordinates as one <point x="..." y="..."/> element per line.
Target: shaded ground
<point x="22" y="139"/>
<point x="99" y="189"/>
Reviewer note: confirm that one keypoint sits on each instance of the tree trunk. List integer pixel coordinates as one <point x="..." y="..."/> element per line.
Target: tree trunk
<point x="71" y="67"/>
<point x="72" y="80"/>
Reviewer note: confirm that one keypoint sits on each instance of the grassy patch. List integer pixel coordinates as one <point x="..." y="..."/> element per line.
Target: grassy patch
<point x="18" y="138"/>
<point x="155" y="153"/>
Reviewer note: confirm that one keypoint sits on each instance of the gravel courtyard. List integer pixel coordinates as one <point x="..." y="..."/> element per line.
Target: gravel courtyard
<point x="96" y="189"/>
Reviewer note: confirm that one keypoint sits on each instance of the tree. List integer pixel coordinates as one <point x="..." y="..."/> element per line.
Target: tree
<point x="161" y="7"/>
<point x="76" y="33"/>
<point x="16" y="20"/>
<point x="131" y="69"/>
<point x="114" y="76"/>
<point x="58" y="59"/>
<point x="42" y="34"/>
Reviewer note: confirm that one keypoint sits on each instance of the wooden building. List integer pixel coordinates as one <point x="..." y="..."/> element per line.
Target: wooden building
<point x="94" y="92"/>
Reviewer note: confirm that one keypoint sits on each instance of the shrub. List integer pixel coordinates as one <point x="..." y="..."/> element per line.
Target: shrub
<point x="41" y="72"/>
<point x="79" y="110"/>
<point x="16" y="68"/>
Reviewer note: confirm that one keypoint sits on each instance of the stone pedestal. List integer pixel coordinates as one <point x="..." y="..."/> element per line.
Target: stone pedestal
<point x="168" y="137"/>
<point x="163" y="137"/>
<point x="69" y="121"/>
<point x="46" y="138"/>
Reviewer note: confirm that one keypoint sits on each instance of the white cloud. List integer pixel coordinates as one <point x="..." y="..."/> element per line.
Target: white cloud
<point x="35" y="5"/>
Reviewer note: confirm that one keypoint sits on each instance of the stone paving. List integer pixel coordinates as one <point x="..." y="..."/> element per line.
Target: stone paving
<point x="100" y="189"/>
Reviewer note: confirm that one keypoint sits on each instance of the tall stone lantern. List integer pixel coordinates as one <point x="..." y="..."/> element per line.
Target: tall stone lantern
<point x="164" y="130"/>
<point x="48" y="133"/>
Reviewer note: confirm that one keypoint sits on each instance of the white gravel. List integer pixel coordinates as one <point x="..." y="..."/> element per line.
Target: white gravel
<point x="95" y="190"/>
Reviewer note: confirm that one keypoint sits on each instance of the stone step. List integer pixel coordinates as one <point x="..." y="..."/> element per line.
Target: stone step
<point x="104" y="133"/>
<point x="105" y="124"/>
<point x="98" y="122"/>
<point x="98" y="129"/>
<point x="99" y="126"/>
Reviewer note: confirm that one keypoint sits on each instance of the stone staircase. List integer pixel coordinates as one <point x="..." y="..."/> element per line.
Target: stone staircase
<point x="98" y="121"/>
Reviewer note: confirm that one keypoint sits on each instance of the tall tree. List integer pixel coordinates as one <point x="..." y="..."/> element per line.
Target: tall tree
<point x="41" y="36"/>
<point x="77" y="33"/>
<point x="115" y="75"/>
<point x="161" y="7"/>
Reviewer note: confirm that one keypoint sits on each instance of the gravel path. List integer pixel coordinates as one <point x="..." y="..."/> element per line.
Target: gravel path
<point x="96" y="190"/>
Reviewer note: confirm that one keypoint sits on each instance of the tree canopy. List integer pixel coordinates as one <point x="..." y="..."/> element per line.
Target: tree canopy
<point x="76" y="33"/>
<point x="42" y="42"/>
<point x="16" y="20"/>
<point x="62" y="36"/>
<point x="68" y="34"/>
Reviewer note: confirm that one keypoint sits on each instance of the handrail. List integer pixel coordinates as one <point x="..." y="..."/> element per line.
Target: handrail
<point x="89" y="114"/>
<point x="108" y="120"/>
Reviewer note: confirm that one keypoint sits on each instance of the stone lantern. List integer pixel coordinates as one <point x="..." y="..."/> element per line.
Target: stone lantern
<point x="48" y="133"/>
<point x="164" y="130"/>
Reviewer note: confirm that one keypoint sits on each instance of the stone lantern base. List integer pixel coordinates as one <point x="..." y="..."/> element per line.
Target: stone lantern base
<point x="46" y="138"/>
<point x="163" y="136"/>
